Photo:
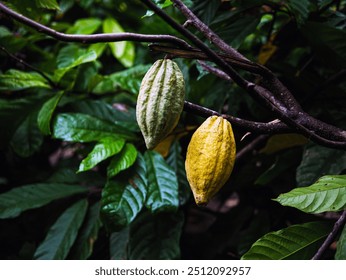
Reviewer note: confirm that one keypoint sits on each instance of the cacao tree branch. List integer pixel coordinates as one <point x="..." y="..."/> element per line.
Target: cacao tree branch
<point x="259" y="127"/>
<point x="94" y="38"/>
<point x="290" y="114"/>
<point x="336" y="137"/>
<point x="339" y="224"/>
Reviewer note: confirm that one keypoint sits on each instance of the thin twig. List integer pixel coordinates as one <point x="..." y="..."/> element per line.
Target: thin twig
<point x="332" y="235"/>
<point x="251" y="146"/>
<point x="259" y="127"/>
<point x="21" y="61"/>
<point x="93" y="38"/>
<point x="217" y="72"/>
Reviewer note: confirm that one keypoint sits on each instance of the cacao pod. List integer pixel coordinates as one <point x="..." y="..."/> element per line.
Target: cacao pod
<point x="160" y="101"/>
<point x="210" y="158"/>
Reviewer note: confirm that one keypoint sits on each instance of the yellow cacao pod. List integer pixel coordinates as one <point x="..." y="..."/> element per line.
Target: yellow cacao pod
<point x="160" y="101"/>
<point x="210" y="158"/>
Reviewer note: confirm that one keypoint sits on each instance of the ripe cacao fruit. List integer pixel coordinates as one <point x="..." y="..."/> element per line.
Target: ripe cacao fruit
<point x="160" y="101"/>
<point x="210" y="158"/>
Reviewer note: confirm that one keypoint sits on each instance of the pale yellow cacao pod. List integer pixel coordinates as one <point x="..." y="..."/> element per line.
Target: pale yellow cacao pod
<point x="160" y="101"/>
<point x="210" y="158"/>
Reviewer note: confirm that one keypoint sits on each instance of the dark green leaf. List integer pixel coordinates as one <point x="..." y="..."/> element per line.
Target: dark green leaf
<point x="176" y="161"/>
<point x="155" y="237"/>
<point x="87" y="235"/>
<point x="123" y="197"/>
<point x="127" y="80"/>
<point x="118" y="244"/>
<point x="62" y="233"/>
<point x="162" y="184"/>
<point x="295" y="242"/>
<point x="119" y="114"/>
<point x="107" y="148"/>
<point x="327" y="194"/>
<point x="84" y="128"/>
<point x="46" y="113"/>
<point x="318" y="161"/>
<point x="300" y="9"/>
<point x="27" y="139"/>
<point x="236" y="32"/>
<point x="341" y="246"/>
<point x="328" y="42"/>
<point x="122" y="161"/>
<point x="17" y="200"/>
<point x="14" y="80"/>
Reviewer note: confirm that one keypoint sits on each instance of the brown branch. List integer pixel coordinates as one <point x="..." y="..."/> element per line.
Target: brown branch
<point x="94" y="38"/>
<point x="340" y="223"/>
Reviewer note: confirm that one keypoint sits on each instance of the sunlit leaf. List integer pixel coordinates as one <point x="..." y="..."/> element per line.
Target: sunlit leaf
<point x="107" y="148"/>
<point x="295" y="242"/>
<point x="62" y="233"/>
<point x="84" y="128"/>
<point x="124" y="51"/>
<point x="14" y="80"/>
<point x="123" y="160"/>
<point x="47" y="4"/>
<point x="85" y="26"/>
<point x="327" y="194"/>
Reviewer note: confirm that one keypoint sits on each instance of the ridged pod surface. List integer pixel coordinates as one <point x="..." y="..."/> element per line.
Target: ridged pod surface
<point x="160" y="101"/>
<point x="210" y="158"/>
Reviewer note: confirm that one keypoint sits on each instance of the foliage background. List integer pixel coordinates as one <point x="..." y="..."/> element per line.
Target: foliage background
<point x="76" y="180"/>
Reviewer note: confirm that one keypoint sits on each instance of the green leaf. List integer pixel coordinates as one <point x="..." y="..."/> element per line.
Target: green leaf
<point x="83" y="246"/>
<point x="327" y="194"/>
<point x="84" y="128"/>
<point x="85" y="26"/>
<point x="14" y="80"/>
<point x="300" y="9"/>
<point x="62" y="233"/>
<point x="161" y="4"/>
<point x="292" y="243"/>
<point x="46" y="113"/>
<point x="155" y="237"/>
<point x="235" y="33"/>
<point x="118" y="244"/>
<point x="318" y="161"/>
<point x="107" y="148"/>
<point x="125" y="159"/>
<point x="341" y="246"/>
<point x="328" y="42"/>
<point x="124" y="51"/>
<point x="123" y="197"/>
<point x="47" y="4"/>
<point x="162" y="184"/>
<point x="176" y="161"/>
<point x="127" y="80"/>
<point x="72" y="56"/>
<point x="121" y="115"/>
<point x="27" y="139"/>
<point x="17" y="200"/>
